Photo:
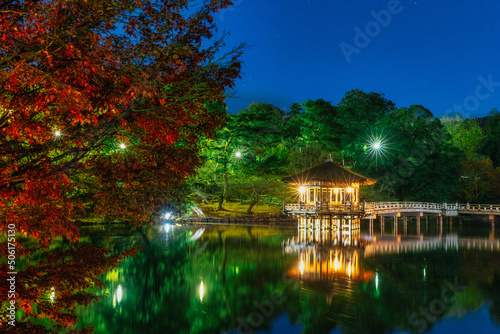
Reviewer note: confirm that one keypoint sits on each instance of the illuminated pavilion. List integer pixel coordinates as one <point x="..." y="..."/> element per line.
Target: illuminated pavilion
<point x="326" y="188"/>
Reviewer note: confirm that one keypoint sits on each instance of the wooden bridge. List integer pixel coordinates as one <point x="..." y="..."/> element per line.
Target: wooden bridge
<point x="371" y="210"/>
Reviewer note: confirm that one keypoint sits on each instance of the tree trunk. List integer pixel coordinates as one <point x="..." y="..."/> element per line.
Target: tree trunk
<point x="226" y="180"/>
<point x="252" y="204"/>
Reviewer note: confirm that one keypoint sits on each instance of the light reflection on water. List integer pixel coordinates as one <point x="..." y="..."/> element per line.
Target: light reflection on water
<point x="235" y="279"/>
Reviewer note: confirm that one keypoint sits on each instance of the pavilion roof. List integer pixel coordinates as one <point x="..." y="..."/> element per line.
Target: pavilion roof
<point x="329" y="172"/>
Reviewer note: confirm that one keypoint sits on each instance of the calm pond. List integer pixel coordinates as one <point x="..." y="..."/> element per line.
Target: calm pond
<point x="237" y="279"/>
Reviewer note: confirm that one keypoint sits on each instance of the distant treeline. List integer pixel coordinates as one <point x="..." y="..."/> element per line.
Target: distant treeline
<point x="412" y="155"/>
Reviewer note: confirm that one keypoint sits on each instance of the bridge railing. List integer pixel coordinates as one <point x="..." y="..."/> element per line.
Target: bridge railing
<point x="427" y="206"/>
<point x="373" y="207"/>
<point x="486" y="208"/>
<point x="301" y="207"/>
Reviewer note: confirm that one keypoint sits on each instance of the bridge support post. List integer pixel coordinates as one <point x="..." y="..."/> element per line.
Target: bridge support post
<point x="396" y="225"/>
<point x="418" y="225"/>
<point x="382" y="218"/>
<point x="405" y="220"/>
<point x="371" y="227"/>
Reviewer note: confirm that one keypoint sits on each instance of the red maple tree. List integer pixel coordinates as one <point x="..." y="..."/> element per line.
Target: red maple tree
<point x="102" y="104"/>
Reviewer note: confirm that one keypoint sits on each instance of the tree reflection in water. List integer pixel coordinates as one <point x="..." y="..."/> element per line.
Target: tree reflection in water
<point x="221" y="280"/>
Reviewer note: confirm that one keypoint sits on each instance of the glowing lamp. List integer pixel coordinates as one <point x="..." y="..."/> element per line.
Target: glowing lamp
<point x="302" y="189"/>
<point x="377" y="145"/>
<point x="57" y="133"/>
<point x="123" y="146"/>
<point x="237" y="154"/>
<point x="301" y="267"/>
<point x="349" y="189"/>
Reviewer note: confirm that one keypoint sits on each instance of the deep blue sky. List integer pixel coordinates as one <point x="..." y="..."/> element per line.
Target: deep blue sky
<point x="430" y="53"/>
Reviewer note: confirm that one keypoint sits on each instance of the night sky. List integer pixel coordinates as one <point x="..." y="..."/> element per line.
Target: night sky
<point x="442" y="54"/>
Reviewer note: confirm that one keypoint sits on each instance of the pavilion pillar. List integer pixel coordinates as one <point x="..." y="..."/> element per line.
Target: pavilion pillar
<point x="492" y="218"/>
<point x="405" y="220"/>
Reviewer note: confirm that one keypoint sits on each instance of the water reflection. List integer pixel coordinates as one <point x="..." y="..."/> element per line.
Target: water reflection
<point x="328" y="275"/>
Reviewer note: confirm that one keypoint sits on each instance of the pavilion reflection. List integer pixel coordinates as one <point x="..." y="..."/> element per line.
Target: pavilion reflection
<point x="328" y="250"/>
<point x="340" y="231"/>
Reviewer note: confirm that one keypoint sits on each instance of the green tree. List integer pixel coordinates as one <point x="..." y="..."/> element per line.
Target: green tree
<point x="420" y="165"/>
<point x="491" y="146"/>
<point x="466" y="136"/>
<point x="321" y="126"/>
<point x="358" y="116"/>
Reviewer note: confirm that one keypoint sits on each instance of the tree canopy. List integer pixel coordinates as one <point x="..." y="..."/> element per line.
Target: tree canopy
<point x="102" y="105"/>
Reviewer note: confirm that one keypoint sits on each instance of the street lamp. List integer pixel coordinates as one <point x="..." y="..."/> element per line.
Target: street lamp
<point x="377" y="145"/>
<point x="237" y="154"/>
<point x="122" y="146"/>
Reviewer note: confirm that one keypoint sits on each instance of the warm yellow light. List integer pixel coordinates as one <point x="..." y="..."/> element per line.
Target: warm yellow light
<point x="336" y="190"/>
<point x="302" y="189"/>
<point x="349" y="270"/>
<point x="349" y="189"/>
<point x="301" y="267"/>
<point x="202" y="291"/>
<point x="336" y="264"/>
<point x="57" y="133"/>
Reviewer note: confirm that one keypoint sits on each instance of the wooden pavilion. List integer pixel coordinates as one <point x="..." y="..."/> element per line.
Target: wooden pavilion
<point x="326" y="188"/>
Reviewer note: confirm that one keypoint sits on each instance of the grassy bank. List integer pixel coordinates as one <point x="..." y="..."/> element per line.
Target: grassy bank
<point x="237" y="209"/>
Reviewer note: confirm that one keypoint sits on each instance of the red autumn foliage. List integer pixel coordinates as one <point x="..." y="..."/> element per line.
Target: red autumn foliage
<point x="101" y="107"/>
<point x="80" y="78"/>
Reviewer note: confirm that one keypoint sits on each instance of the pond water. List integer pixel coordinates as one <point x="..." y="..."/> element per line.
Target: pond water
<point x="236" y="279"/>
